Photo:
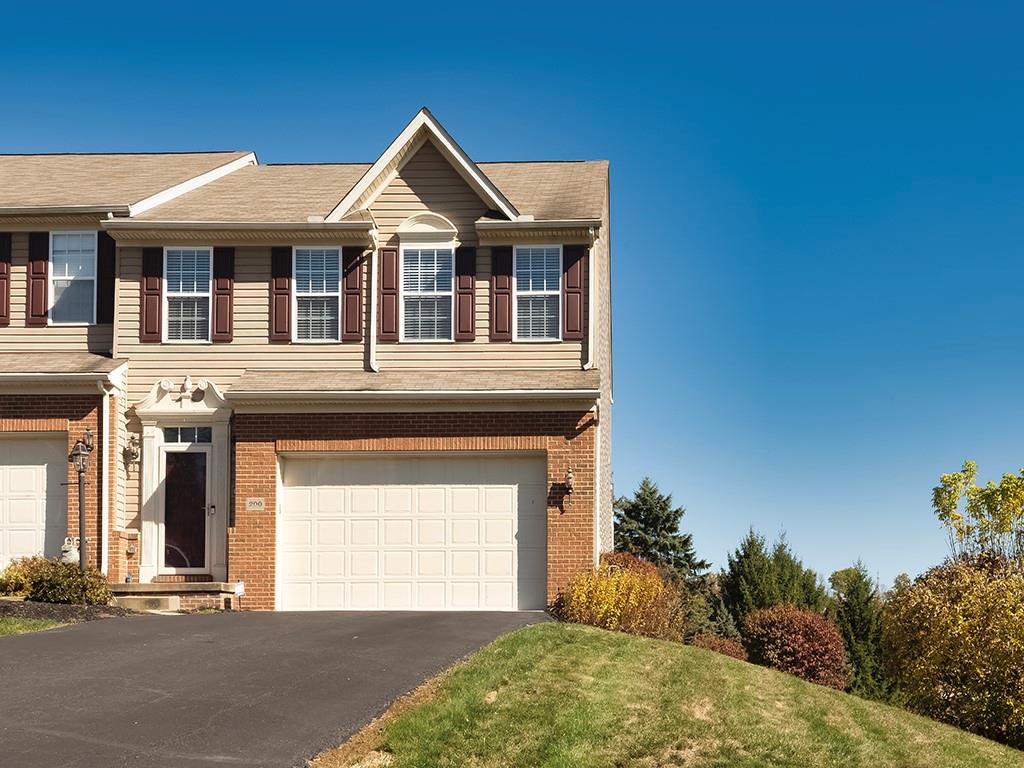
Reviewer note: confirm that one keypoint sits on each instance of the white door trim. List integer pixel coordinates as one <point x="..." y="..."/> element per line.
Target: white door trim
<point x="207" y="450"/>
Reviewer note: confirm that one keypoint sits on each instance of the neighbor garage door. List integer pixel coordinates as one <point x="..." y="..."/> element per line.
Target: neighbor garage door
<point x="33" y="499"/>
<point x="410" y="533"/>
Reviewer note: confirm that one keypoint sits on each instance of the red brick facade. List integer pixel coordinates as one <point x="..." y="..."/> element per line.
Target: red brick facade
<point x="567" y="438"/>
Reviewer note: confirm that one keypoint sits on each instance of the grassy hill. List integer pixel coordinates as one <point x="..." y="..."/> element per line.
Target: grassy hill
<point x="570" y="696"/>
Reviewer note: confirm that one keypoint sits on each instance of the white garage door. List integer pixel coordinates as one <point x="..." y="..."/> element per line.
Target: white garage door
<point x="403" y="533"/>
<point x="33" y="501"/>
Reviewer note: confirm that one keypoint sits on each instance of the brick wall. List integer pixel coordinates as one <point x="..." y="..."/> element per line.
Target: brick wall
<point x="566" y="437"/>
<point x="71" y="415"/>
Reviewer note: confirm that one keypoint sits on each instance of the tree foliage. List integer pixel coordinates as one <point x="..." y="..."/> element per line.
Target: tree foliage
<point x="982" y="520"/>
<point x="757" y="577"/>
<point x="858" y="614"/>
<point x="647" y="526"/>
<point x="954" y="644"/>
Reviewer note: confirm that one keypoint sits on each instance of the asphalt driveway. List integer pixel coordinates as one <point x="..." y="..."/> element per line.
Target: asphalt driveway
<point x="235" y="689"/>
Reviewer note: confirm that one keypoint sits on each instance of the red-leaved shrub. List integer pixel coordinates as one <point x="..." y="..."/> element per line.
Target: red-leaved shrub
<point x="803" y="643"/>
<point x="629" y="562"/>
<point x="724" y="645"/>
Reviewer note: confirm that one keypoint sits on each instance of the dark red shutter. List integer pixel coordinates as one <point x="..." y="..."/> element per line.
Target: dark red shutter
<point x="38" y="269"/>
<point x="574" y="292"/>
<point x="105" y="260"/>
<point x="222" y="310"/>
<point x="281" y="293"/>
<point x="151" y="295"/>
<point x="352" y="293"/>
<point x="501" y="293"/>
<point x="388" y="294"/>
<point x="5" y="279"/>
<point x="465" y="293"/>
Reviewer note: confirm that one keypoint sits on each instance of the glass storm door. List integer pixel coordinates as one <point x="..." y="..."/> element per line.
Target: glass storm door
<point x="185" y="511"/>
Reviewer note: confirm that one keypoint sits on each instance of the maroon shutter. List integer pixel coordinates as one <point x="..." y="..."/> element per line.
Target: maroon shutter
<point x="574" y="292"/>
<point x="222" y="311"/>
<point x="105" y="259"/>
<point x="151" y="296"/>
<point x="501" y="293"/>
<point x="5" y="279"/>
<point x="465" y="294"/>
<point x="281" y="293"/>
<point x="352" y="293"/>
<point x="38" y="269"/>
<point x="388" y="294"/>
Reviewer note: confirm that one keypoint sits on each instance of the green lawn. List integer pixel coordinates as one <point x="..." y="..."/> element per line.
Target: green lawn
<point x="568" y="696"/>
<point x="9" y="626"/>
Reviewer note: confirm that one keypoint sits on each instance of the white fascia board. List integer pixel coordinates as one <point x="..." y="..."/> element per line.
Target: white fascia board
<point x="540" y="224"/>
<point x="190" y="184"/>
<point x="421" y="394"/>
<point x="466" y="167"/>
<point x="32" y="210"/>
<point x="135" y="224"/>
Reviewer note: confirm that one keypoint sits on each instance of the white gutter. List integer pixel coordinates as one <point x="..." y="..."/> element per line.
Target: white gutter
<point x="420" y="394"/>
<point x="537" y="224"/>
<point x="58" y="209"/>
<point x="105" y="464"/>
<point x="133" y="224"/>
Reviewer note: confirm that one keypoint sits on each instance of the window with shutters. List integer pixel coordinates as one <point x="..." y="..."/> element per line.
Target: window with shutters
<point x="428" y="291"/>
<point x="72" y="278"/>
<point x="188" y="274"/>
<point x="537" y="272"/>
<point x="317" y="294"/>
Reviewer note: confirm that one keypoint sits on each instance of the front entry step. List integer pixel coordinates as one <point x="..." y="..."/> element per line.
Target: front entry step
<point x="149" y="602"/>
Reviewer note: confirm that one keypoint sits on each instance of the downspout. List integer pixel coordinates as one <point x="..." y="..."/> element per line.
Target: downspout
<point x="597" y="486"/>
<point x="105" y="479"/>
<point x="589" y="362"/>
<point x="372" y="284"/>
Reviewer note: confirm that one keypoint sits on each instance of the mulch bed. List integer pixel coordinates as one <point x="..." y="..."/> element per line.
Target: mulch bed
<point x="23" y="609"/>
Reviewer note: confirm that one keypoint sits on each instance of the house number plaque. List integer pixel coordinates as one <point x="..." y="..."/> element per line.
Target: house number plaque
<point x="255" y="505"/>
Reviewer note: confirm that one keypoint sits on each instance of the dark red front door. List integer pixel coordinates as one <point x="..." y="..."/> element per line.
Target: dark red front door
<point x="185" y="510"/>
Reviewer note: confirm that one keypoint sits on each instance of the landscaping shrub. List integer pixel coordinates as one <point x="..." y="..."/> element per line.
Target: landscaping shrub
<point x="17" y="577"/>
<point x="798" y="641"/>
<point x="724" y="645"/>
<point x="954" y="643"/>
<point x="626" y="594"/>
<point x="56" y="582"/>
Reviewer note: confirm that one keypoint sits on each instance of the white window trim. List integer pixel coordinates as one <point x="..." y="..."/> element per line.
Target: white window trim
<point x="295" y="294"/>
<point x="516" y="293"/>
<point x="167" y="295"/>
<point x="95" y="275"/>
<point x="450" y="293"/>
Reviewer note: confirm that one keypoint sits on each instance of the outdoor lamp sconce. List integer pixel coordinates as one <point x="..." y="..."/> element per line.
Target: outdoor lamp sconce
<point x="79" y="457"/>
<point x="570" y="481"/>
<point x="132" y="452"/>
<point x="80" y="453"/>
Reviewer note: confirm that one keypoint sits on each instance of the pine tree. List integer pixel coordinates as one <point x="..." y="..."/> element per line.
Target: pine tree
<point x="647" y="526"/>
<point x="859" y="616"/>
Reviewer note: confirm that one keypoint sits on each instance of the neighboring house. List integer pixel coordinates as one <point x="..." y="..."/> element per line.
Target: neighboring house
<point x="347" y="386"/>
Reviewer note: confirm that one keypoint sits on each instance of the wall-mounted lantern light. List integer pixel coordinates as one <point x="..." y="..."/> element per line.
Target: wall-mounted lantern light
<point x="570" y="480"/>
<point x="79" y="459"/>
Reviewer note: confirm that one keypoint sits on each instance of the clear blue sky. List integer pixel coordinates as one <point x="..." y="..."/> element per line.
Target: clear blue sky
<point x="816" y="212"/>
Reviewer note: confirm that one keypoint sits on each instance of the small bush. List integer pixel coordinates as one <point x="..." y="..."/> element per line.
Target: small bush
<point x="798" y="641"/>
<point x="56" y="582"/>
<point x="724" y="645"/>
<point x="625" y="594"/>
<point x="954" y="642"/>
<point x="17" y="577"/>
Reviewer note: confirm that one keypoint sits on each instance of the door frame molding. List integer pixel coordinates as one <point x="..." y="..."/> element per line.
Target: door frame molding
<point x="207" y="450"/>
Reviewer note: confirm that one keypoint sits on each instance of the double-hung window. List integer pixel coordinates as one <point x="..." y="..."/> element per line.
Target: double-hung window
<point x="72" y="278"/>
<point x="538" y="286"/>
<point x="428" y="286"/>
<point x="188" y="273"/>
<point x="317" y="294"/>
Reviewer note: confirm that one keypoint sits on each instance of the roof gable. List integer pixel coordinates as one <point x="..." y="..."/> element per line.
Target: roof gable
<point x="422" y="128"/>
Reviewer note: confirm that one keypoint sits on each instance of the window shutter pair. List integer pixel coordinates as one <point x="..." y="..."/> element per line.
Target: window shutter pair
<point x="281" y="293"/>
<point x="575" y="286"/>
<point x="465" y="298"/>
<point x="221" y="298"/>
<point x="38" y="284"/>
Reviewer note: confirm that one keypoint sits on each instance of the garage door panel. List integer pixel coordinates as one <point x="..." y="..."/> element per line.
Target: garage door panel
<point x="33" y="500"/>
<point x="400" y="533"/>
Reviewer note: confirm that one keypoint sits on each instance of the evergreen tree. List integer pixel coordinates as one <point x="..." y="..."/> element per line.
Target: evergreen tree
<point x="647" y="526"/>
<point x="797" y="585"/>
<point x="859" y="617"/>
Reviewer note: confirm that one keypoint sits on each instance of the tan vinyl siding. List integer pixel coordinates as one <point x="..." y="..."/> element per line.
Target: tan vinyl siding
<point x="603" y="361"/>
<point x="55" y="338"/>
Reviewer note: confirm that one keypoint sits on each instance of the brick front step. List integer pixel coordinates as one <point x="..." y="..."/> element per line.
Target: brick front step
<point x="184" y="596"/>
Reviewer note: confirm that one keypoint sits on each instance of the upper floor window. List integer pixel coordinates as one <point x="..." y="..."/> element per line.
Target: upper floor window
<point x="72" y="278"/>
<point x="428" y="283"/>
<point x="188" y="273"/>
<point x="538" y="289"/>
<point x="317" y="294"/>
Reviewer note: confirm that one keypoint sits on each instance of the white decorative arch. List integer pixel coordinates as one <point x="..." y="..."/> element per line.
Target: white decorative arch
<point x="198" y="399"/>
<point x="427" y="227"/>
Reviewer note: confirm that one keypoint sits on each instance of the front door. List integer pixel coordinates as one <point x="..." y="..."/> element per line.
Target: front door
<point x="186" y="511"/>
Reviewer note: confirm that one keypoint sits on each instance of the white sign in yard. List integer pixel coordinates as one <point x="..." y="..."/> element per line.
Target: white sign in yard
<point x="255" y="505"/>
<point x="239" y="588"/>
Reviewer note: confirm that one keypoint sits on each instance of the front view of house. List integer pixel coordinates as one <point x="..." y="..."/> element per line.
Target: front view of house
<point x="309" y="387"/>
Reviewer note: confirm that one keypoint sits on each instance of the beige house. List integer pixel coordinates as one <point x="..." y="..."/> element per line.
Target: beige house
<point x="338" y="386"/>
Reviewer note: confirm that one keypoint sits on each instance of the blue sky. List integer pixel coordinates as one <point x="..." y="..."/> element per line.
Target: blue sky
<point x="816" y="212"/>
